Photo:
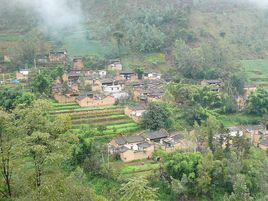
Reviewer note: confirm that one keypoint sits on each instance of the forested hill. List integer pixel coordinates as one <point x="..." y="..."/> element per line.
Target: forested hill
<point x="144" y="26"/>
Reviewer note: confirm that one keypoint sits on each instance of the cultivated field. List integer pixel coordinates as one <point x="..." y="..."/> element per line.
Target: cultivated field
<point x="105" y="122"/>
<point x="257" y="72"/>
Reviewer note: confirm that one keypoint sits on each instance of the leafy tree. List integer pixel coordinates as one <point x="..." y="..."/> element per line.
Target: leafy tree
<point x="156" y="117"/>
<point x="139" y="72"/>
<point x="41" y="84"/>
<point x="10" y="98"/>
<point x="6" y="153"/>
<point x="39" y="148"/>
<point x="137" y="189"/>
<point x="258" y="102"/>
<point x="241" y="192"/>
<point x="118" y="37"/>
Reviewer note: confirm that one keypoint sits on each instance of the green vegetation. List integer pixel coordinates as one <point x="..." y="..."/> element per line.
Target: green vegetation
<point x="256" y="72"/>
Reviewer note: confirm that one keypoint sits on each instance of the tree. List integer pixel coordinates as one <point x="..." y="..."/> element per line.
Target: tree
<point x="6" y="152"/>
<point x="156" y="117"/>
<point x="211" y="128"/>
<point x="240" y="192"/>
<point x="137" y="189"/>
<point x="258" y="102"/>
<point x="118" y="37"/>
<point x="39" y="148"/>
<point x="41" y="84"/>
<point x="10" y="98"/>
<point x="139" y="71"/>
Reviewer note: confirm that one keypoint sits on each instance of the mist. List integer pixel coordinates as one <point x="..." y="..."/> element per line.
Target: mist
<point x="56" y="13"/>
<point x="260" y="3"/>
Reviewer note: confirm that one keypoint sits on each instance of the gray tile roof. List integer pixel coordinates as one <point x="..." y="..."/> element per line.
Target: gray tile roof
<point x="143" y="145"/>
<point x="155" y="135"/>
<point x="134" y="138"/>
<point x="121" y="140"/>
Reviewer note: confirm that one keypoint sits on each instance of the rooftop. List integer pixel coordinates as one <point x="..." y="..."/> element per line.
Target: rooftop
<point x="162" y="133"/>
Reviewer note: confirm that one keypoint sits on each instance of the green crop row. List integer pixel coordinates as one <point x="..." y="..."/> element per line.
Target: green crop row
<point x="117" y="122"/>
<point x="121" y="126"/>
<point x="99" y="119"/>
<point x="85" y="109"/>
<point x="100" y="114"/>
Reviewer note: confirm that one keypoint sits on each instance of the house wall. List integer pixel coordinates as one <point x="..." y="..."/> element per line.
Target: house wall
<point x="112" y="89"/>
<point x="135" y="115"/>
<point x="78" y="64"/>
<point x="116" y="67"/>
<point x="132" y="155"/>
<point x="63" y="99"/>
<point x="57" y="57"/>
<point x="91" y="102"/>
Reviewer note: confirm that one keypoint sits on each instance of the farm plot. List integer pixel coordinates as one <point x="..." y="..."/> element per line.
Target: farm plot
<point x="106" y="121"/>
<point x="257" y="72"/>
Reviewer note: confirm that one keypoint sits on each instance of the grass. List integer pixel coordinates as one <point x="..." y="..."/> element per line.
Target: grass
<point x="10" y="37"/>
<point x="256" y="71"/>
<point x="80" y="41"/>
<point x="133" y="169"/>
<point x="238" y="119"/>
<point x="155" y="58"/>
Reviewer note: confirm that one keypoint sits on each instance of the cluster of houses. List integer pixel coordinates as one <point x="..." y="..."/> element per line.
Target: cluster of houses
<point x="143" y="145"/>
<point x="91" y="88"/>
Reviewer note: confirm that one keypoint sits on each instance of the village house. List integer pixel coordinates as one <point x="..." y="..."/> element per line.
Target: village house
<point x="144" y="150"/>
<point x="78" y="63"/>
<point x="93" y="100"/>
<point x="102" y="73"/>
<point x="174" y="142"/>
<point x="135" y="112"/>
<point x="128" y="75"/>
<point x="22" y="74"/>
<point x="64" y="98"/>
<point x="156" y="136"/>
<point x="131" y="148"/>
<point x="74" y="75"/>
<point x="216" y="85"/>
<point x="149" y="91"/>
<point x="110" y="86"/>
<point x="151" y="75"/>
<point x="58" y="57"/>
<point x="115" y="65"/>
<point x="59" y="96"/>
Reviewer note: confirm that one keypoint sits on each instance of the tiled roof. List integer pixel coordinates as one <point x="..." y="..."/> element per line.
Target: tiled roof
<point x="162" y="133"/>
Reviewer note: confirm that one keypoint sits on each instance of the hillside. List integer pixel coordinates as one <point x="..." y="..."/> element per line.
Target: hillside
<point x="241" y="26"/>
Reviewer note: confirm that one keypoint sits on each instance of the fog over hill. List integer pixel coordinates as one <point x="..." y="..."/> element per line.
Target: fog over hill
<point x="57" y="14"/>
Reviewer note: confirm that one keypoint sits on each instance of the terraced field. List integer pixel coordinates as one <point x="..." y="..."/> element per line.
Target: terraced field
<point x="107" y="121"/>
